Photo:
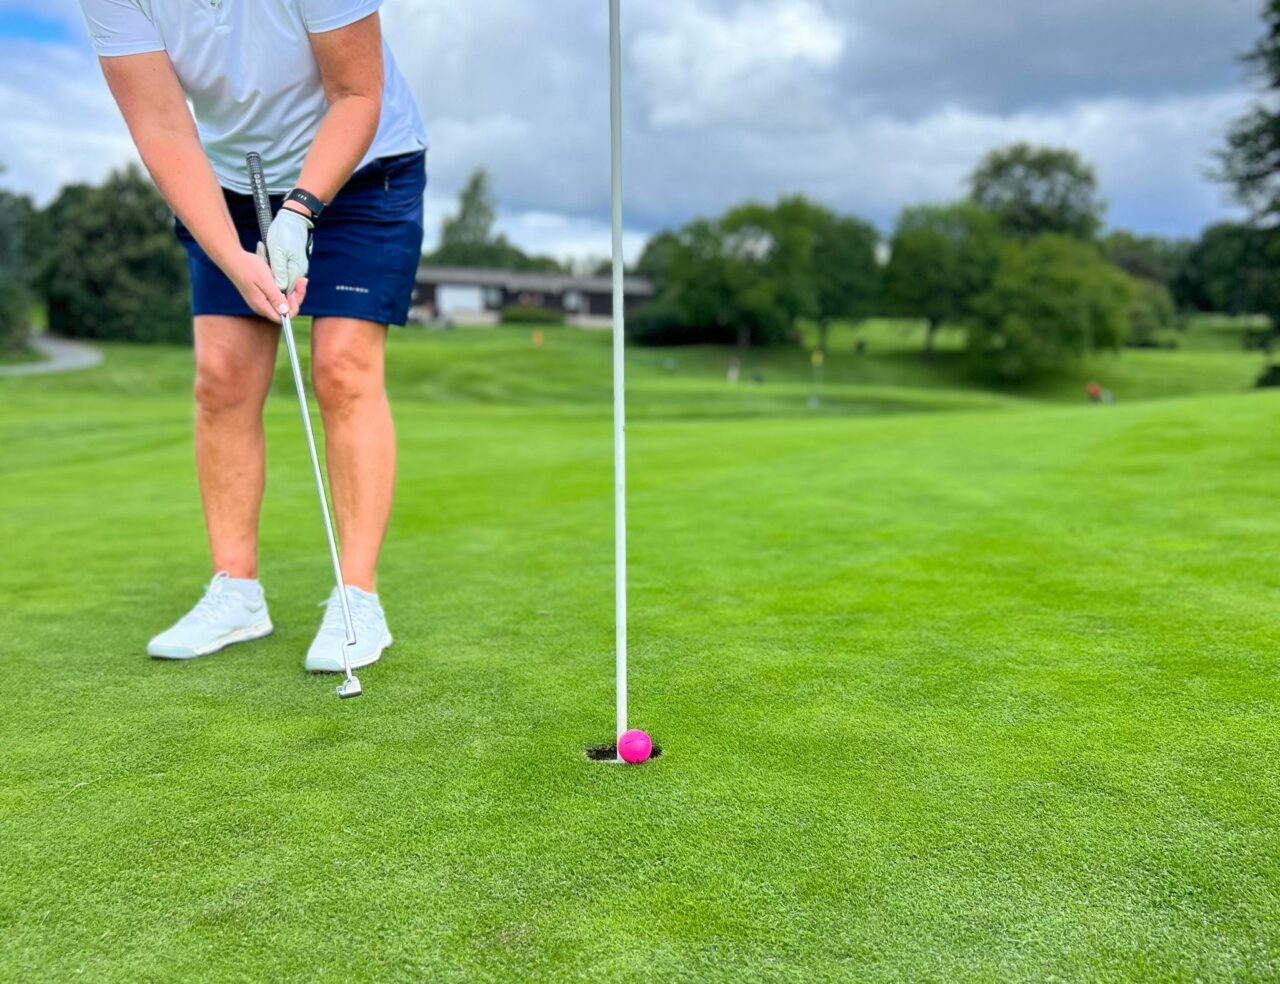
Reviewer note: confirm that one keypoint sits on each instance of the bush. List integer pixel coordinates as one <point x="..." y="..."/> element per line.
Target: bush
<point x="15" y="310"/>
<point x="662" y="322"/>
<point x="1151" y="314"/>
<point x="1260" y="339"/>
<point x="1052" y="301"/>
<point x="15" y="300"/>
<point x="527" y="314"/>
<point x="1270" y="376"/>
<point x="108" y="266"/>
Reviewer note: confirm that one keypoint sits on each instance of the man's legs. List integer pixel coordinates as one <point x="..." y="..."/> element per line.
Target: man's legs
<point x="235" y="359"/>
<point x="235" y="362"/>
<point x="347" y="360"/>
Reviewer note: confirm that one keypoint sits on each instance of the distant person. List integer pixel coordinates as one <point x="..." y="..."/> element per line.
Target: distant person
<point x="1095" y="392"/>
<point x="312" y="87"/>
<point x="735" y="370"/>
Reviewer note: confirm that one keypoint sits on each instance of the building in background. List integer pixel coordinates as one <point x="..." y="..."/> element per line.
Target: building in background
<point x="473" y="295"/>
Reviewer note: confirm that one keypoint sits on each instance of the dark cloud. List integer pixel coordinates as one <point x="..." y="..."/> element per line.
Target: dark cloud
<point x="1001" y="57"/>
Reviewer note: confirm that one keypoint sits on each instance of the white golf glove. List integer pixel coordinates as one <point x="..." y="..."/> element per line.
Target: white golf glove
<point x="289" y="247"/>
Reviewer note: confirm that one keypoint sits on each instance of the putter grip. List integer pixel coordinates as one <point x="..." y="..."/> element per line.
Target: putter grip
<point x="261" y="199"/>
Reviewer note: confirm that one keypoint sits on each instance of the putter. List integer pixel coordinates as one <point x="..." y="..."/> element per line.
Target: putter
<point x="350" y="686"/>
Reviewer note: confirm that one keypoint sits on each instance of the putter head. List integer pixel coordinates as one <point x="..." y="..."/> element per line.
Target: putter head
<point x="349" y="688"/>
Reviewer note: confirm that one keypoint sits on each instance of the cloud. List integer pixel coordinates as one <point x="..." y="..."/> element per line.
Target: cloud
<point x="1016" y="55"/>
<point x="866" y="104"/>
<point x="761" y="64"/>
<point x="1150" y="155"/>
<point x="567" y="238"/>
<point x="60" y="123"/>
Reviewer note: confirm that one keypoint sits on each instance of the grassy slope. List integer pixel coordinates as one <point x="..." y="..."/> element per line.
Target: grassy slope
<point x="955" y="696"/>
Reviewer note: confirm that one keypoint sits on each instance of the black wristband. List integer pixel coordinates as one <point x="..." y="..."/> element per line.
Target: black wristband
<point x="308" y="201"/>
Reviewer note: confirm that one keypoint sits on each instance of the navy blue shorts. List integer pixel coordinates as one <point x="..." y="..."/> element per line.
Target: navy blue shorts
<point x="367" y="247"/>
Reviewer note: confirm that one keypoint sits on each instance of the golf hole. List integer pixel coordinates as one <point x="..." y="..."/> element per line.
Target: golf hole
<point x="609" y="753"/>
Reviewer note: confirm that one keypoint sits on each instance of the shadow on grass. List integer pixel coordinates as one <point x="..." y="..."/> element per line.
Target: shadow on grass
<point x="609" y="753"/>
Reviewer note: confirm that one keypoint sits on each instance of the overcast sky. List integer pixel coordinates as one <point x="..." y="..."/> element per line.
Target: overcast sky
<point x="866" y="104"/>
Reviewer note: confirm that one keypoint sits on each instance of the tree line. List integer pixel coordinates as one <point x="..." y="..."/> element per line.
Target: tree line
<point x="15" y="295"/>
<point x="103" y="263"/>
<point x="1020" y="264"/>
<point x="102" y="260"/>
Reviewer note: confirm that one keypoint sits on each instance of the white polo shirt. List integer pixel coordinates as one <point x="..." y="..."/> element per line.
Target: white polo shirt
<point x="250" y="75"/>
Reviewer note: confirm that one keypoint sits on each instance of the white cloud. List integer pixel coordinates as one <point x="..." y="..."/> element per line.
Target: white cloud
<point x="60" y="124"/>
<point x="567" y="238"/>
<point x="1150" y="155"/>
<point x="756" y="64"/>
<point x="730" y="99"/>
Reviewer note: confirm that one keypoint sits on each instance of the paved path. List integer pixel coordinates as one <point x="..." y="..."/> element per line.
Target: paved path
<point x="60" y="355"/>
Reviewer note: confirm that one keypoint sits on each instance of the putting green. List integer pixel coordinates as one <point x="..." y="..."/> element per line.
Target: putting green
<point x="982" y="693"/>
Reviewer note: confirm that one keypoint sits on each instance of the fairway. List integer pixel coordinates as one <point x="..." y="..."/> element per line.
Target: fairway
<point x="951" y="684"/>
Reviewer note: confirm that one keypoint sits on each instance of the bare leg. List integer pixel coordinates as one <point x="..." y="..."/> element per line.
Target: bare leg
<point x="347" y="360"/>
<point x="235" y="360"/>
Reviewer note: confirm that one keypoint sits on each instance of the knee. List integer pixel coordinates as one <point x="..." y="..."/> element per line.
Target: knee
<point x="222" y="387"/>
<point x="343" y="380"/>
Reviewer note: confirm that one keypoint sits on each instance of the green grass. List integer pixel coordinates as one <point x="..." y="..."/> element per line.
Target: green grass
<point x="987" y="692"/>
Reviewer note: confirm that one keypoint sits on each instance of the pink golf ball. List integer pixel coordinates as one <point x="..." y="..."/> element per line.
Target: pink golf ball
<point x="635" y="747"/>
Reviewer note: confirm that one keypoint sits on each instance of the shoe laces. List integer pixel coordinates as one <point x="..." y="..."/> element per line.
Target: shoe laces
<point x="333" y="622"/>
<point x="215" y="603"/>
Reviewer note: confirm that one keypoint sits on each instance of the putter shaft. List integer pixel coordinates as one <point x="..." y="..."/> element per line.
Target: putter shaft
<point x="350" y="687"/>
<point x="292" y="345"/>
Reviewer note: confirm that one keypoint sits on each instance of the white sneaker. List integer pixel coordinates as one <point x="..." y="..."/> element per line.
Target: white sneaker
<point x="222" y="617"/>
<point x="372" y="635"/>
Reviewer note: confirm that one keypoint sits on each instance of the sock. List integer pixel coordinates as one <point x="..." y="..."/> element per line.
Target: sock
<point x="248" y="587"/>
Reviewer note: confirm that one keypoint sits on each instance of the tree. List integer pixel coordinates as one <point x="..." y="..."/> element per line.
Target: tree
<point x="1039" y="190"/>
<point x="655" y="261"/>
<point x="468" y="238"/>
<point x="472" y="227"/>
<point x="836" y="274"/>
<point x="942" y="258"/>
<point x="727" y="280"/>
<point x="15" y="299"/>
<point x="719" y="286"/>
<point x="1147" y="257"/>
<point x="1224" y="271"/>
<point x="752" y="274"/>
<point x="1151" y="312"/>
<point x="107" y="264"/>
<point x="775" y="246"/>
<point x="1250" y="163"/>
<point x="1053" y="300"/>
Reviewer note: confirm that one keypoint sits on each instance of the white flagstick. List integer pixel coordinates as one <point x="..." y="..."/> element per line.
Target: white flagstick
<point x="619" y="367"/>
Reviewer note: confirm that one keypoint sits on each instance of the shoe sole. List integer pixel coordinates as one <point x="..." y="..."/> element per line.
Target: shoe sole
<point x="259" y="631"/>
<point x="356" y="664"/>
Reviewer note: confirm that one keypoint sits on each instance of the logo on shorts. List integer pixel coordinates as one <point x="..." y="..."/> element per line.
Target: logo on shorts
<point x="352" y="290"/>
